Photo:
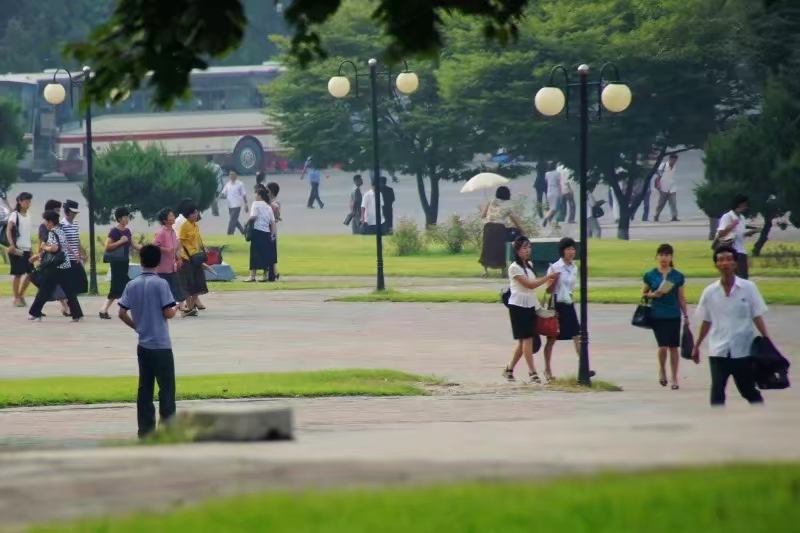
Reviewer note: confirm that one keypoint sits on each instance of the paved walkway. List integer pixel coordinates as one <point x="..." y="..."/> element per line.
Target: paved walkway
<point x="495" y="431"/>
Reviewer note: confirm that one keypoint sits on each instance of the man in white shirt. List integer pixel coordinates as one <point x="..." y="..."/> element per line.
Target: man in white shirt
<point x="729" y="308"/>
<point x="236" y="196"/>
<point x="732" y="230"/>
<point x="568" y="195"/>
<point x="369" y="218"/>
<point x="667" y="189"/>
<point x="553" y="180"/>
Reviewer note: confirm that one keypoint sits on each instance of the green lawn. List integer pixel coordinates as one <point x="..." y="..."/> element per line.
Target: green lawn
<point x="785" y="292"/>
<point x="730" y="499"/>
<point x="352" y="255"/>
<point x="92" y="390"/>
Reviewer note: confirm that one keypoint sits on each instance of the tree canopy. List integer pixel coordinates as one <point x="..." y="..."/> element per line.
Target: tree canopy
<point x="12" y="143"/>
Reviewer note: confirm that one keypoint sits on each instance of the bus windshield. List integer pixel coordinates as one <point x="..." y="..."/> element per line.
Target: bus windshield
<point x="23" y="94"/>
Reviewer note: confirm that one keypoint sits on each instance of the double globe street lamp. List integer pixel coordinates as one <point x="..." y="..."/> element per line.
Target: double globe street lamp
<point x="615" y="96"/>
<point x="339" y="86"/>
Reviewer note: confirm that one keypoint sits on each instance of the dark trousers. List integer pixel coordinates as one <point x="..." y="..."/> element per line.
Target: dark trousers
<point x="54" y="278"/>
<point x="742" y="268"/>
<point x="314" y="196"/>
<point x="540" y="197"/>
<point x="233" y="221"/>
<point x="154" y="366"/>
<point x="743" y="376"/>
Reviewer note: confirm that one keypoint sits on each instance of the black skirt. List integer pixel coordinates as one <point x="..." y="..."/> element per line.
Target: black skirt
<point x="523" y="322"/>
<point x="79" y="280"/>
<point x="119" y="279"/>
<point x="261" y="250"/>
<point x="275" y="249"/>
<point x="568" y="324"/>
<point x="193" y="279"/>
<point x="493" y="249"/>
<point x="667" y="332"/>
<point x="174" y="283"/>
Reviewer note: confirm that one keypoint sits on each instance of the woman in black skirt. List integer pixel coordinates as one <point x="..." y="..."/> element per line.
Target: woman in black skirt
<point x="563" y="290"/>
<point x="119" y="237"/>
<point x="262" y="220"/>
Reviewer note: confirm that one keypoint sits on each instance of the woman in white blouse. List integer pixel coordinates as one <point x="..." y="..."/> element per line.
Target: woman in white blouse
<point x="563" y="289"/>
<point x="522" y="305"/>
<point x="262" y="233"/>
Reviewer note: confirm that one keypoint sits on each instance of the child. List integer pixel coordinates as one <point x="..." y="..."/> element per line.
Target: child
<point x="150" y="303"/>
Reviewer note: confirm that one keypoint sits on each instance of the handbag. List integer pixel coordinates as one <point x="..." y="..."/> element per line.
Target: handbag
<point x="348" y="219"/>
<point x="199" y="258"/>
<point x="547" y="320"/>
<point x="117" y="255"/>
<point x="37" y="277"/>
<point x="505" y="295"/>
<point x="687" y="342"/>
<point x="51" y="260"/>
<point x="642" y="317"/>
<point x="248" y="230"/>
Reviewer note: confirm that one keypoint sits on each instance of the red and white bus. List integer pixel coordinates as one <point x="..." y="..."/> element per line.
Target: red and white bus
<point x="223" y="118"/>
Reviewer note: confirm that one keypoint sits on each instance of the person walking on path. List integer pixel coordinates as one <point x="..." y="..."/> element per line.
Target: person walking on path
<point x="119" y="237"/>
<point x="733" y="230"/>
<point x="262" y="218"/>
<point x="73" y="233"/>
<point x="314" y="179"/>
<point x="236" y="196"/>
<point x="667" y="188"/>
<point x="728" y="310"/>
<point x="145" y="306"/>
<point x="356" y="198"/>
<point x="568" y="196"/>
<point x="387" y="196"/>
<point x="553" y="180"/>
<point x="18" y="233"/>
<point x="58" y="294"/>
<point x="664" y="287"/>
<point x="179" y="221"/>
<point x="219" y="174"/>
<point x="167" y="241"/>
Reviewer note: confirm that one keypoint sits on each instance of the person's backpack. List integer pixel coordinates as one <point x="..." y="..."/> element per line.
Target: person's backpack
<point x="4" y="232"/>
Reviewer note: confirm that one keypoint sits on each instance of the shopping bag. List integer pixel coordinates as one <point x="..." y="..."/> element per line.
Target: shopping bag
<point x="687" y="342"/>
<point x="642" y="315"/>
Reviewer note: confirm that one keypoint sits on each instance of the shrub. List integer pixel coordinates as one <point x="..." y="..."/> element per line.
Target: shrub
<point x="406" y="237"/>
<point x="8" y="169"/>
<point x="455" y="235"/>
<point x="147" y="179"/>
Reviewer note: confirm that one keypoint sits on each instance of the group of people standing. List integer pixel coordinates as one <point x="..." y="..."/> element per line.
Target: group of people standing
<point x="362" y="217"/>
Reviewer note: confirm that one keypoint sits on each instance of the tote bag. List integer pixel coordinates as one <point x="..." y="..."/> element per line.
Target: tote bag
<point x="642" y="317"/>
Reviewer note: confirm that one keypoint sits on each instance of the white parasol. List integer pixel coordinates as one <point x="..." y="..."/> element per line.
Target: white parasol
<point x="484" y="180"/>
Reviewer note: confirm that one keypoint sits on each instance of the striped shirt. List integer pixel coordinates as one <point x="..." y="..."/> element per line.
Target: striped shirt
<point x="72" y="233"/>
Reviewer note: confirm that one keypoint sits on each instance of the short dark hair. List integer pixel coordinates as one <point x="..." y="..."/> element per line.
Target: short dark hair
<point x="50" y="216"/>
<point x="163" y="215"/>
<point x="383" y="180"/>
<point x="52" y="205"/>
<point x="262" y="192"/>
<point x="739" y="199"/>
<point x="274" y="188"/>
<point x="150" y="256"/>
<point x="565" y="244"/>
<point x="121" y="212"/>
<point x="503" y="193"/>
<point x="188" y="209"/>
<point x="725" y="249"/>
<point x="665" y="249"/>
<point x="357" y="179"/>
<point x="182" y="205"/>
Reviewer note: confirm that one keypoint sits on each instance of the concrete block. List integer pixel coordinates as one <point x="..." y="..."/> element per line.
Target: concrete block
<point x="222" y="272"/>
<point x="233" y="424"/>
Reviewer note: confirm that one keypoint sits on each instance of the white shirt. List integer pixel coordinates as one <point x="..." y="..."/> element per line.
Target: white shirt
<point x="731" y="317"/>
<point x="566" y="174"/>
<point x="368" y="203"/>
<point x="23" y="225"/>
<point x="263" y="213"/>
<point x="178" y="223"/>
<point x="521" y="296"/>
<point x="553" y="179"/>
<point x="738" y="232"/>
<point x="234" y="193"/>
<point x="667" y="177"/>
<point x="565" y="286"/>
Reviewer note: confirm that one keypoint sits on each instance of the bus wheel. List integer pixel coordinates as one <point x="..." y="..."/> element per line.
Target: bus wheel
<point x="248" y="157"/>
<point x="29" y="177"/>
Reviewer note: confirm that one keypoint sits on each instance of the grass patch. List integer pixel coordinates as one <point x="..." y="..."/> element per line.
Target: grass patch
<point x="729" y="499"/>
<point x="91" y="390"/>
<point x="570" y="384"/>
<point x="355" y="256"/>
<point x="786" y="292"/>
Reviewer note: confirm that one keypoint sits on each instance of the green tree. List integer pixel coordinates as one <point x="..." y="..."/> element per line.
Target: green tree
<point x="673" y="54"/>
<point x="12" y="144"/>
<point x="420" y="134"/>
<point x="145" y="180"/>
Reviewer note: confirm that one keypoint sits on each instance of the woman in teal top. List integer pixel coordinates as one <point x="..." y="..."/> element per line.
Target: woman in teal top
<point x="668" y="304"/>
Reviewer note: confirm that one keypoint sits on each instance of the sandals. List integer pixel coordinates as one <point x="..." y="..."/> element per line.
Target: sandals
<point x="549" y="377"/>
<point x="534" y="377"/>
<point x="662" y="382"/>
<point x="104" y="316"/>
<point x="675" y="386"/>
<point x="508" y="374"/>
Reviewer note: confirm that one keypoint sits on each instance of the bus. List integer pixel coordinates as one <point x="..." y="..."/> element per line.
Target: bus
<point x="223" y="118"/>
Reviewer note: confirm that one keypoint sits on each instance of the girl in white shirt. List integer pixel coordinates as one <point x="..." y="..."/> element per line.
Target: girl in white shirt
<point x="522" y="305"/>
<point x="18" y="232"/>
<point x="262" y="233"/>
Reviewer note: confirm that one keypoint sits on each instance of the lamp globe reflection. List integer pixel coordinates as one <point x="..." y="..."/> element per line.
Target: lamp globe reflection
<point x="339" y="86"/>
<point x="616" y="97"/>
<point x="550" y="101"/>
<point x="407" y="82"/>
<point x="54" y="93"/>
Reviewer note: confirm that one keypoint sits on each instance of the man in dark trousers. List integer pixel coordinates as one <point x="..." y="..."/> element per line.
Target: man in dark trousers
<point x="145" y="306"/>
<point x="729" y="309"/>
<point x="387" y="196"/>
<point x="355" y="204"/>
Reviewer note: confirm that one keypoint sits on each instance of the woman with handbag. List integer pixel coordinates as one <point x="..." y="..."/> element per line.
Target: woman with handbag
<point x="54" y="262"/>
<point x="522" y="305"/>
<point x="193" y="257"/>
<point x="664" y="287"/>
<point x="500" y="221"/>
<point x="262" y="233"/>
<point x="58" y="293"/>
<point x="118" y="256"/>
<point x="561" y="293"/>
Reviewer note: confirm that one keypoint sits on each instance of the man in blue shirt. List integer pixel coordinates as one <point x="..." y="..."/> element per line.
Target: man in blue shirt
<point x="145" y="306"/>
<point x="314" y="177"/>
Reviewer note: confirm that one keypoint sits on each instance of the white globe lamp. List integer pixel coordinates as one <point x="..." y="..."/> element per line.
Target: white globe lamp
<point x="550" y="101"/>
<point x="55" y="93"/>
<point x="339" y="86"/>
<point x="407" y="82"/>
<point x="616" y="97"/>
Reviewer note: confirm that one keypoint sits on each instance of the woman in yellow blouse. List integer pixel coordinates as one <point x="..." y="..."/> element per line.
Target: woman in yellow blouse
<point x="191" y="263"/>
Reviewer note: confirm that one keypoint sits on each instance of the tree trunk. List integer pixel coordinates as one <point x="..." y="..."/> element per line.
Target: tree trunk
<point x="624" y="224"/>
<point x="423" y="199"/>
<point x="763" y="237"/>
<point x="713" y="224"/>
<point x="432" y="215"/>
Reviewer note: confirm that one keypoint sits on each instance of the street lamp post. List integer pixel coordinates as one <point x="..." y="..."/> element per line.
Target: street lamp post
<point x="55" y="94"/>
<point x="615" y="96"/>
<point x="339" y="86"/>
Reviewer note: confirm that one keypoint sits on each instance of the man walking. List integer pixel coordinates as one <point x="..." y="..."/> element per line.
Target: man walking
<point x="355" y="205"/>
<point x="237" y="197"/>
<point x="214" y="167"/>
<point x="568" y="195"/>
<point x="667" y="189"/>
<point x="369" y="218"/>
<point x="145" y="306"/>
<point x="314" y="178"/>
<point x="729" y="308"/>
<point x="387" y="203"/>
